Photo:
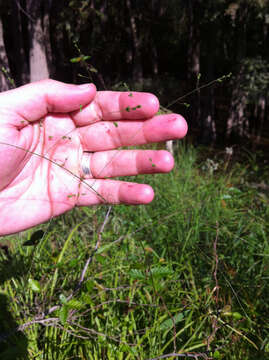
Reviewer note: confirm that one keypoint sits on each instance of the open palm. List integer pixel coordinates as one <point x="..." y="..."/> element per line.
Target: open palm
<point x="45" y="128"/>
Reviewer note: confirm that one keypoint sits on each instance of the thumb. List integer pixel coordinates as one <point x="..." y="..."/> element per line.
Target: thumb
<point x="35" y="100"/>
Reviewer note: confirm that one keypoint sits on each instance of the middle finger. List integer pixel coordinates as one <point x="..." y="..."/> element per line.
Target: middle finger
<point x="107" y="135"/>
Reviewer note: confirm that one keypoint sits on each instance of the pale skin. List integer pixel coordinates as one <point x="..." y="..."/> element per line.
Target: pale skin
<point x="44" y="129"/>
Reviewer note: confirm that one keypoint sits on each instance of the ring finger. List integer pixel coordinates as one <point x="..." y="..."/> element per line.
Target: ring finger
<point x="107" y="164"/>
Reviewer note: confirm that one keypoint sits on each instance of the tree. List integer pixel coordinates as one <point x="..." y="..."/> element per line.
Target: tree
<point x="243" y="15"/>
<point x="136" y="36"/>
<point x="4" y="65"/>
<point x="17" y="24"/>
<point x="5" y="83"/>
<point x="177" y="45"/>
<point x="37" y="13"/>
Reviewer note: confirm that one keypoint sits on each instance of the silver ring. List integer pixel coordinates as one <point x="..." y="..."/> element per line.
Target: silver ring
<point x="86" y="164"/>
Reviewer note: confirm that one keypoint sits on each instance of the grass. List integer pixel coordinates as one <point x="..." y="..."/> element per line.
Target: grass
<point x="187" y="275"/>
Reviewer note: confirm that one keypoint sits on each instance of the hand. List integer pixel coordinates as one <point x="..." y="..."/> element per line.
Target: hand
<point x="52" y="134"/>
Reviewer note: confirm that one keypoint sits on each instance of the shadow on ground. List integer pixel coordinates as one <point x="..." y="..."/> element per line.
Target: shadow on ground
<point x="13" y="344"/>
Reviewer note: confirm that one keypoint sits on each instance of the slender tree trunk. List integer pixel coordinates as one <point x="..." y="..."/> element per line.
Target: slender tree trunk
<point x="62" y="68"/>
<point x="4" y="66"/>
<point x="157" y="10"/>
<point x="46" y="37"/>
<point x="21" y="68"/>
<point x="209" y="131"/>
<point x="236" y="119"/>
<point x="154" y="58"/>
<point x="232" y="116"/>
<point x="194" y="13"/>
<point x="262" y="108"/>
<point x="137" y="51"/>
<point x="208" y="124"/>
<point x="37" y="54"/>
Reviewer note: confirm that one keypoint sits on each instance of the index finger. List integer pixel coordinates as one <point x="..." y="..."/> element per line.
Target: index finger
<point x="116" y="105"/>
<point x="33" y="101"/>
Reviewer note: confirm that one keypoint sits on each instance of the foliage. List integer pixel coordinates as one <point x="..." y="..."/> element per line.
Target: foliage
<point x="255" y="78"/>
<point x="187" y="274"/>
<point x="164" y="40"/>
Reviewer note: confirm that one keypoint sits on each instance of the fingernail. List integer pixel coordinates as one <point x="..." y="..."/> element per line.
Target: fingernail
<point x="84" y="86"/>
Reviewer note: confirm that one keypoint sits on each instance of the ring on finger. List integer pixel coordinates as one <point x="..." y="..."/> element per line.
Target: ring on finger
<point x="86" y="165"/>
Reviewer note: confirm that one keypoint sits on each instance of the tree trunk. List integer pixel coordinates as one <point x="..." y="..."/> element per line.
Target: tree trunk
<point x="236" y="120"/>
<point x="6" y="82"/>
<point x="208" y="124"/>
<point x="154" y="58"/>
<point x="37" y="54"/>
<point x="194" y="14"/>
<point x="137" y="51"/>
<point x="4" y="70"/>
<point x="157" y="10"/>
<point x="262" y="108"/>
<point x="21" y="68"/>
<point x="46" y="37"/>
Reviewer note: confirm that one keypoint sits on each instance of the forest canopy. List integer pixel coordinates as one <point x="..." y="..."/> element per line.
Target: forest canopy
<point x="170" y="47"/>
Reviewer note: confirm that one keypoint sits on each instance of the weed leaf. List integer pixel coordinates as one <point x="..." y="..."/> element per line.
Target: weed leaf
<point x="34" y="239"/>
<point x="34" y="285"/>
<point x="63" y="314"/>
<point x="136" y="274"/>
<point x="169" y="323"/>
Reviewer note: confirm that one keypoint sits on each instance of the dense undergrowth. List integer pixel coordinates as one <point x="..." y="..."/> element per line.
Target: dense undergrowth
<point x="185" y="275"/>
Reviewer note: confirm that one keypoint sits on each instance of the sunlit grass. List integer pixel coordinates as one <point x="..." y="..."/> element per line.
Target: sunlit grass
<point x="187" y="274"/>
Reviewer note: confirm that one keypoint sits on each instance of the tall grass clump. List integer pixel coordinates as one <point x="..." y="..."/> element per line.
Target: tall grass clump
<point x="184" y="277"/>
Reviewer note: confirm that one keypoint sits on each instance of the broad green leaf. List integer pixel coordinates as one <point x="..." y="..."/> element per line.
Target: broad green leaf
<point x="63" y="299"/>
<point x="63" y="314"/>
<point x="216" y="355"/>
<point x="237" y="315"/>
<point x="34" y="285"/>
<point x="169" y="323"/>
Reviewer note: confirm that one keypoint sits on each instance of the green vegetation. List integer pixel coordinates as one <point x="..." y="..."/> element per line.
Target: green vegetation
<point x="168" y="47"/>
<point x="187" y="274"/>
